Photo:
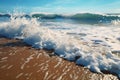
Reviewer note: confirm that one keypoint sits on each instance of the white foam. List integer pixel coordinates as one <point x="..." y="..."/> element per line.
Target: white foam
<point x="95" y="54"/>
<point x="27" y="61"/>
<point x="116" y="22"/>
<point x="19" y="75"/>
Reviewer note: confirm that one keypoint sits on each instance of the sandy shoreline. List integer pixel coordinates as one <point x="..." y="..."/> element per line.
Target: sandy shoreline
<point x="19" y="61"/>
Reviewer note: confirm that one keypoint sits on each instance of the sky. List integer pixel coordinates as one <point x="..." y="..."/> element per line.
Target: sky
<point x="60" y="6"/>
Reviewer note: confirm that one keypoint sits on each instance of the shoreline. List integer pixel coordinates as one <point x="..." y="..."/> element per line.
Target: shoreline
<point x="19" y="61"/>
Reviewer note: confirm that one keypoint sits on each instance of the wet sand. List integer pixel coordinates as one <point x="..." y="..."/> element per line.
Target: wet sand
<point x="19" y="61"/>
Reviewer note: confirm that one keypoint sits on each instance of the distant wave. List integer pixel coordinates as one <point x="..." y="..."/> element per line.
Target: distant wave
<point x="87" y="18"/>
<point x="94" y="18"/>
<point x="83" y="17"/>
<point x="5" y="15"/>
<point x="11" y="15"/>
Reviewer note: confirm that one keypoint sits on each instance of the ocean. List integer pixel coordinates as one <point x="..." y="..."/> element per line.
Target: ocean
<point x="90" y="40"/>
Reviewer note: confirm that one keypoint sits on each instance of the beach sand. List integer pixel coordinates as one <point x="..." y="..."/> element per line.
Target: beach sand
<point x="19" y="61"/>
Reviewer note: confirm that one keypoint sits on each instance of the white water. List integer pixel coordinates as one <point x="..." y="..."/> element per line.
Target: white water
<point x="91" y="43"/>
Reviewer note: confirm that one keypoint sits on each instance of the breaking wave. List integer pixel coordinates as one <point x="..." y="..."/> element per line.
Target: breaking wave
<point x="95" y="55"/>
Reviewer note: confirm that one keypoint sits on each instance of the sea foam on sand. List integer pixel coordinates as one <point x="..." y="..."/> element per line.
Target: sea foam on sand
<point x="96" y="57"/>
